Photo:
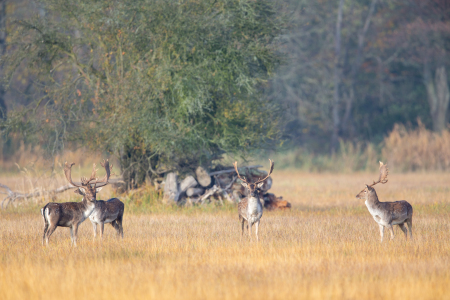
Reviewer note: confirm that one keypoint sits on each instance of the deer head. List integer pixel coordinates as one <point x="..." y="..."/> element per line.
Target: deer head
<point x="365" y="193"/>
<point x="89" y="188"/>
<point x="254" y="187"/>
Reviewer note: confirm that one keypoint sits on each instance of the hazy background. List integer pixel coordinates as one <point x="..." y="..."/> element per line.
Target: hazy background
<point x="321" y="85"/>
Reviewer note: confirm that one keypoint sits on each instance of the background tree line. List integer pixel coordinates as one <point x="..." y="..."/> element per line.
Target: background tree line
<point x="175" y="84"/>
<point x="359" y="67"/>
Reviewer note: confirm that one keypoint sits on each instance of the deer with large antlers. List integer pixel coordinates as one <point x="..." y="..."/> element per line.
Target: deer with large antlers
<point x="72" y="214"/>
<point x="250" y="208"/>
<point x="387" y="214"/>
<point x="110" y="211"/>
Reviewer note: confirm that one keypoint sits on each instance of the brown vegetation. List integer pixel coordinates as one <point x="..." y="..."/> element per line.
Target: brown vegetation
<point x="420" y="149"/>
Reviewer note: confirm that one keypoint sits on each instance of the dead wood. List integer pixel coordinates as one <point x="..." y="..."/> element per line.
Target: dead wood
<point x="171" y="189"/>
<point x="188" y="182"/>
<point x="190" y="192"/>
<point x="207" y="194"/>
<point x="233" y="171"/>
<point x="13" y="196"/>
<point x="203" y="178"/>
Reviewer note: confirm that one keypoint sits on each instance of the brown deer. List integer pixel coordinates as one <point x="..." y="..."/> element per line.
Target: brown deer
<point x="250" y="208"/>
<point x="72" y="214"/>
<point x="110" y="211"/>
<point x="387" y="214"/>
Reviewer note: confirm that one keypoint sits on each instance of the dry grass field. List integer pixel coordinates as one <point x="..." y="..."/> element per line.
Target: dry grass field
<point x="326" y="247"/>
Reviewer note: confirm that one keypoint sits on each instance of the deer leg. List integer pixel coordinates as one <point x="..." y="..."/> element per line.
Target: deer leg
<point x="75" y="234"/>
<point x="381" y="231"/>
<point x="249" y="228"/>
<point x="71" y="235"/>
<point x="391" y="229"/>
<point x="409" y="223"/>
<point x="119" y="222"/>
<point x="102" y="228"/>
<point x="50" y="230"/>
<point x="116" y="227"/>
<point x="242" y="224"/>
<point x="403" y="228"/>
<point x="257" y="226"/>
<point x="45" y="231"/>
<point x="94" y="225"/>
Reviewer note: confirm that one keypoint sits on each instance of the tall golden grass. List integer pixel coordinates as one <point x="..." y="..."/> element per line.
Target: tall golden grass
<point x="326" y="247"/>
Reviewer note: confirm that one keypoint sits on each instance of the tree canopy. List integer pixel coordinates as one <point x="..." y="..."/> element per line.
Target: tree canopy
<point x="158" y="83"/>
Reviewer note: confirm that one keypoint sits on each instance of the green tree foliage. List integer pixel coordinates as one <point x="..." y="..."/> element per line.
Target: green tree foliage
<point x="160" y="84"/>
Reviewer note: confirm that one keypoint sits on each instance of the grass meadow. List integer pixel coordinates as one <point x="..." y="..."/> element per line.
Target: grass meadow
<point x="326" y="247"/>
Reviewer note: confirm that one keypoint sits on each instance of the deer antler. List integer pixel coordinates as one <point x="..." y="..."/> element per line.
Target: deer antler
<point x="270" y="172"/>
<point x="383" y="174"/>
<point x="239" y="176"/>
<point x="68" y="173"/>
<point x="85" y="181"/>
<point x="104" y="180"/>
<point x="261" y="180"/>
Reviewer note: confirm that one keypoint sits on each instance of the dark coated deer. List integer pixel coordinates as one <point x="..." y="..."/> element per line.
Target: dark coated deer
<point x="72" y="214"/>
<point x="387" y="214"/>
<point x="250" y="208"/>
<point x="110" y="211"/>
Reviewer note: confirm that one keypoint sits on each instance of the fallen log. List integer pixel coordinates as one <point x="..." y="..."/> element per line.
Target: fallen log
<point x="207" y="194"/>
<point x="12" y="196"/>
<point x="194" y="191"/>
<point x="227" y="192"/>
<point x="171" y="190"/>
<point x="188" y="182"/>
<point x="203" y="178"/>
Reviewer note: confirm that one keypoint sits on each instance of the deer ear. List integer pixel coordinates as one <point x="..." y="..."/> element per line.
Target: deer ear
<point x="98" y="189"/>
<point x="367" y="186"/>
<point x="244" y="185"/>
<point x="80" y="191"/>
<point x="259" y="185"/>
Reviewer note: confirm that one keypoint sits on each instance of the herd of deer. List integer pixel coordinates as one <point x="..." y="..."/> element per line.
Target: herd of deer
<point x="250" y="209"/>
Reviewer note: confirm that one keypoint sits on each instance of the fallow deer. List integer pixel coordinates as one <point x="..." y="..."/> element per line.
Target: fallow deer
<point x="72" y="214"/>
<point x="110" y="211"/>
<point x="387" y="214"/>
<point x="250" y="208"/>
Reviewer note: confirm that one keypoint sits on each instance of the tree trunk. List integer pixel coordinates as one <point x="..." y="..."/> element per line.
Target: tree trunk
<point x="337" y="54"/>
<point x="438" y="96"/>
<point x="137" y="165"/>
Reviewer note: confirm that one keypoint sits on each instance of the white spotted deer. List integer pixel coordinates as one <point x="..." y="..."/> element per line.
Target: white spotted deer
<point x="110" y="211"/>
<point x="72" y="214"/>
<point x="250" y="208"/>
<point x="387" y="214"/>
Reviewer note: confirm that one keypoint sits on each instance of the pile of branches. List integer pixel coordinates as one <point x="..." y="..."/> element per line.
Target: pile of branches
<point x="205" y="187"/>
<point x="218" y="186"/>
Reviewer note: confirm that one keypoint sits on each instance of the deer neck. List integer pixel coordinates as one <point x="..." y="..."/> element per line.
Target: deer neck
<point x="372" y="199"/>
<point x="87" y="206"/>
<point x="253" y="204"/>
